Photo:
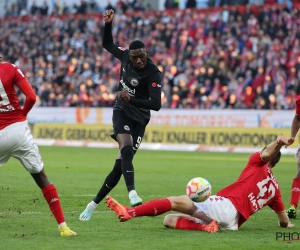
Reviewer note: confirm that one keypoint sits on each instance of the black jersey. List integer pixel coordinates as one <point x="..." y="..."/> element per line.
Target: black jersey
<point x="143" y="86"/>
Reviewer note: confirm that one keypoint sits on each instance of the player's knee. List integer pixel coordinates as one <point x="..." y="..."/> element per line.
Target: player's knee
<point x="127" y="153"/>
<point x="170" y="221"/>
<point x="177" y="202"/>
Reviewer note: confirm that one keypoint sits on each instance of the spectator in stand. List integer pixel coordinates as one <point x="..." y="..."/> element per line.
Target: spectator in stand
<point x="191" y="4"/>
<point x="171" y="4"/>
<point x="44" y="9"/>
<point x="109" y="6"/>
<point x="83" y="7"/>
<point x="34" y="8"/>
<point x="64" y="54"/>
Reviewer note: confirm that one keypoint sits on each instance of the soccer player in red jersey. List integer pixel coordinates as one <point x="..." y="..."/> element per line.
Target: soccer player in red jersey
<point x="17" y="141"/>
<point x="255" y="188"/>
<point x="295" y="192"/>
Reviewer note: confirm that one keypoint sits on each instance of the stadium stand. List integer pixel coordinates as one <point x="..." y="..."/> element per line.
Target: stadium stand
<point x="229" y="57"/>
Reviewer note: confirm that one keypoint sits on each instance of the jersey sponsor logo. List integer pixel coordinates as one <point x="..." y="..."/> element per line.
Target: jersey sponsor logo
<point x="134" y="82"/>
<point x="130" y="91"/>
<point x="6" y="109"/>
<point x="122" y="48"/>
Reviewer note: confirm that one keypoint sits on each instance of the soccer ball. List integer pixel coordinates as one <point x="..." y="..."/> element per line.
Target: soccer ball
<point x="198" y="189"/>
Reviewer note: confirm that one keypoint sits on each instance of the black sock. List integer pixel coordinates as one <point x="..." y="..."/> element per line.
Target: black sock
<point x="110" y="182"/>
<point x="127" y="167"/>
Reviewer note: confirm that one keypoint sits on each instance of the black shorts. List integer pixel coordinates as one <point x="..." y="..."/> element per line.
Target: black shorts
<point x="123" y="124"/>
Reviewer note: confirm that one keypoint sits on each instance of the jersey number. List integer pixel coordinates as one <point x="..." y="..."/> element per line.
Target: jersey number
<point x="264" y="189"/>
<point x="138" y="143"/>
<point x="3" y="96"/>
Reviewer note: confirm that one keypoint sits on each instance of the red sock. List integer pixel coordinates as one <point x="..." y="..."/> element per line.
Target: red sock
<point x="294" y="199"/>
<point x="51" y="196"/>
<point x="187" y="224"/>
<point x="151" y="208"/>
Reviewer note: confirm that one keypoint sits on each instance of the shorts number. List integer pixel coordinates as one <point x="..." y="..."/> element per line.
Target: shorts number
<point x="3" y="96"/>
<point x="139" y="140"/>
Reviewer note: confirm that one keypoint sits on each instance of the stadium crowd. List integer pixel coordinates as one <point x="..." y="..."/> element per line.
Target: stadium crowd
<point x="219" y="58"/>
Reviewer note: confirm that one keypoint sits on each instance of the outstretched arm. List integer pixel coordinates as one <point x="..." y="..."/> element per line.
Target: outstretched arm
<point x="273" y="148"/>
<point x="108" y="42"/>
<point x="108" y="17"/>
<point x="294" y="129"/>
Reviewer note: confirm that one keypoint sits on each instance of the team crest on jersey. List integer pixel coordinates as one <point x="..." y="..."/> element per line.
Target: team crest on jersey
<point x="134" y="82"/>
<point x="122" y="48"/>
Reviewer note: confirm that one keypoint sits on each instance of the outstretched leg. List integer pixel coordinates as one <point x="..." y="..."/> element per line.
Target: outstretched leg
<point x="159" y="206"/>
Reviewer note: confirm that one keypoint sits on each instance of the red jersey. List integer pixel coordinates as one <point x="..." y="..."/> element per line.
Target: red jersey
<point x="10" y="110"/>
<point x="298" y="105"/>
<point x="255" y="188"/>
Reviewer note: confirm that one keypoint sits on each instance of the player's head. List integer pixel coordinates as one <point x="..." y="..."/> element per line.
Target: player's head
<point x="275" y="160"/>
<point x="138" y="54"/>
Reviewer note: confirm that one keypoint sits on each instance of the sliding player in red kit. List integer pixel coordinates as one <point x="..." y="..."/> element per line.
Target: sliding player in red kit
<point x="17" y="141"/>
<point x="295" y="192"/>
<point x="255" y="188"/>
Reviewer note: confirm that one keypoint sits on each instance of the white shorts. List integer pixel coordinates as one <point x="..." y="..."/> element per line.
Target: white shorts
<point x="220" y="209"/>
<point x="17" y="141"/>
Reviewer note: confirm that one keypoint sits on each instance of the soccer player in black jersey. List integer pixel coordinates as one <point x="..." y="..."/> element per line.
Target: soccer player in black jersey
<point x="139" y="92"/>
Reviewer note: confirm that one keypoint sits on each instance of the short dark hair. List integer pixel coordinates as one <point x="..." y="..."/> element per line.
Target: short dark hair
<point x="137" y="44"/>
<point x="275" y="159"/>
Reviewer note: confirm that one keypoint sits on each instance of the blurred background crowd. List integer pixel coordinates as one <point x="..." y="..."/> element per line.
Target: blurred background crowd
<point x="226" y="56"/>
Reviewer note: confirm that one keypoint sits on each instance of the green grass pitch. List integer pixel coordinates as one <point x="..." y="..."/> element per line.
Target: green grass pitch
<point x="26" y="222"/>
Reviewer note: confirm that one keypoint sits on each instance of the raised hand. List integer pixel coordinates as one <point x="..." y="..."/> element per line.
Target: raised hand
<point x="281" y="140"/>
<point x="290" y="142"/>
<point x="108" y="16"/>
